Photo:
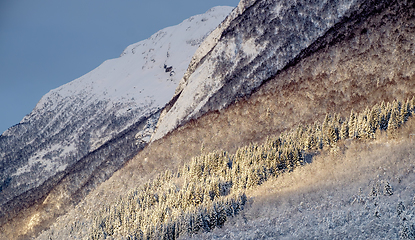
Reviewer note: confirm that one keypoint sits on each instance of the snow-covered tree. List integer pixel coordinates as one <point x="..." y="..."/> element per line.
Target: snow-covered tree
<point x="352" y="125"/>
<point x="393" y="123"/>
<point x="344" y="131"/>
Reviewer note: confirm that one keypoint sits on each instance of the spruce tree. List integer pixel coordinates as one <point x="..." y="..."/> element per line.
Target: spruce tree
<point x="384" y="116"/>
<point x="412" y="105"/>
<point x="252" y="178"/>
<point x="336" y="120"/>
<point x="198" y="221"/>
<point x="344" y="131"/>
<point x="220" y="213"/>
<point x="326" y="121"/>
<point x="331" y="136"/>
<point x="374" y="119"/>
<point x="361" y="126"/>
<point x="404" y="114"/>
<point x="352" y="125"/>
<point x="387" y="190"/>
<point x="396" y="105"/>
<point x="366" y="130"/>
<point x="309" y="142"/>
<point x="393" y="123"/>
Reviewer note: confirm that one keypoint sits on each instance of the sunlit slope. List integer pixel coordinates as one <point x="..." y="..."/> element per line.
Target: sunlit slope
<point x="364" y="191"/>
<point x="210" y="190"/>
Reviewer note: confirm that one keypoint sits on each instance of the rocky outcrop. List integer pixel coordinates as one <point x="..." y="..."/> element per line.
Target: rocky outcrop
<point x="256" y="41"/>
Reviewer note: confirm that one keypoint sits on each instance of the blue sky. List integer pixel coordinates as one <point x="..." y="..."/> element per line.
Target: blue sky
<point x="47" y="43"/>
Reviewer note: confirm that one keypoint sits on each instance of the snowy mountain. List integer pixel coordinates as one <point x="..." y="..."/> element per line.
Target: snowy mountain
<point x="283" y="102"/>
<point x="116" y="103"/>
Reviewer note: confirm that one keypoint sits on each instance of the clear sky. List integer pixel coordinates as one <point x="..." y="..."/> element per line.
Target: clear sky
<point x="47" y="43"/>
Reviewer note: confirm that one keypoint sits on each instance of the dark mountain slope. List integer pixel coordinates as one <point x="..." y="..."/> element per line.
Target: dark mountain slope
<point x="254" y="46"/>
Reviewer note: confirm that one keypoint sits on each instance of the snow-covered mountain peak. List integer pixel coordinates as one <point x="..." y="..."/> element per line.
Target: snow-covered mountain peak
<point x="163" y="58"/>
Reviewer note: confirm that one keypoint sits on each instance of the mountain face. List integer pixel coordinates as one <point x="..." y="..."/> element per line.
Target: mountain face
<point x="255" y="42"/>
<point x="269" y="66"/>
<point x="89" y="127"/>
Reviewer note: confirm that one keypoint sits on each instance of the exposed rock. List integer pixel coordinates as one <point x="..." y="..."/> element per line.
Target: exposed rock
<point x="168" y="69"/>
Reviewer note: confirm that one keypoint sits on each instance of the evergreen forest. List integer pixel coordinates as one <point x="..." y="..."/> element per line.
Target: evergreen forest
<point x="211" y="189"/>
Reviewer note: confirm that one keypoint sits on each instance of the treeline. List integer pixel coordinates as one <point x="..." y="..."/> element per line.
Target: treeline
<point x="210" y="189"/>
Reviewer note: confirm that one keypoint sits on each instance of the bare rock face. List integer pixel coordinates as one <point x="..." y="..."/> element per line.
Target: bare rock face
<point x="256" y="41"/>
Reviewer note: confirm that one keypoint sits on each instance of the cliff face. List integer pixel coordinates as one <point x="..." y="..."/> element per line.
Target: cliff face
<point x="256" y="41"/>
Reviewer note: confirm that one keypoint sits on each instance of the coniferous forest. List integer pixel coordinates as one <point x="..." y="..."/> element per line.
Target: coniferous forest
<point x="209" y="190"/>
